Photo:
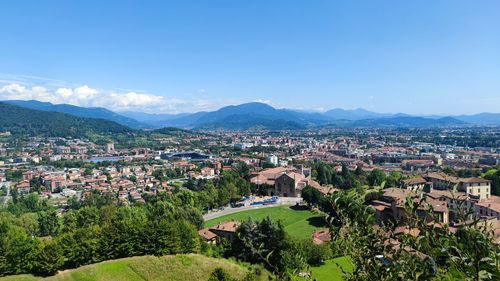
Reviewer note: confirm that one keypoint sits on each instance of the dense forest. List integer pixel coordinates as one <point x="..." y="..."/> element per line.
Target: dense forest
<point x="30" y="122"/>
<point x="35" y="238"/>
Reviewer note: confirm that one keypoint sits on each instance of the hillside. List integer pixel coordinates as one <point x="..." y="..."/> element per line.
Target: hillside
<point x="246" y="116"/>
<point x="354" y="114"/>
<point x="20" y="120"/>
<point x="173" y="268"/>
<point x="485" y="119"/>
<point x="256" y="115"/>
<point x="86" y="112"/>
<point x="407" y="121"/>
<point x="152" y="119"/>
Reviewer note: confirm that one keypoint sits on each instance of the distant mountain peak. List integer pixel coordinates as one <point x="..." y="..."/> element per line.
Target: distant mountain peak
<point x="263" y="115"/>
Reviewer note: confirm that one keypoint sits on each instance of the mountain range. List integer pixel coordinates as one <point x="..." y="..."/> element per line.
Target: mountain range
<point x="256" y="115"/>
<point x="86" y="112"/>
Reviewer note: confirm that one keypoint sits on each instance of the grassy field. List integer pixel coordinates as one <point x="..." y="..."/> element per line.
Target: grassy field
<point x="172" y="268"/>
<point x="299" y="223"/>
<point x="330" y="271"/>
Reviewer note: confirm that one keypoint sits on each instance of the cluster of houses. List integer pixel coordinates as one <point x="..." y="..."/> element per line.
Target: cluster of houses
<point x="127" y="182"/>
<point x="441" y="199"/>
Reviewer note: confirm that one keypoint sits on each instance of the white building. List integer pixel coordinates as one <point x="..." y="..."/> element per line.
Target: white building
<point x="273" y="159"/>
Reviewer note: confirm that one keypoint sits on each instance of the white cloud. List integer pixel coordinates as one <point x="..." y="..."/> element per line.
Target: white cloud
<point x="113" y="100"/>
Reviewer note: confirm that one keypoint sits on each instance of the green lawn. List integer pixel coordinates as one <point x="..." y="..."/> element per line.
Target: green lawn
<point x="330" y="271"/>
<point x="172" y="268"/>
<point x="299" y="223"/>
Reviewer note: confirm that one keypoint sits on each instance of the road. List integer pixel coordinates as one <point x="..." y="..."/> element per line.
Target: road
<point x="290" y="201"/>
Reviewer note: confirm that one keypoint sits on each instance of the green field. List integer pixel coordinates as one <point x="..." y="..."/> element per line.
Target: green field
<point x="330" y="271"/>
<point x="299" y="223"/>
<point x="172" y="268"/>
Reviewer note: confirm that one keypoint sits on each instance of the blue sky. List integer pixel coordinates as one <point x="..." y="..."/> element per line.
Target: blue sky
<point x="419" y="57"/>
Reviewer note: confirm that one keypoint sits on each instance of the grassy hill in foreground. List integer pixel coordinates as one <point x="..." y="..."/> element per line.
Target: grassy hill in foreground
<point x="299" y="223"/>
<point x="171" y="268"/>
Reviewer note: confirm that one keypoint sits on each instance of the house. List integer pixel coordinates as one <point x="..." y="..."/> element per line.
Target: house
<point x="28" y="175"/>
<point x="489" y="208"/>
<point x="475" y="188"/>
<point x="291" y="183"/>
<point x="64" y="149"/>
<point x="268" y="176"/>
<point x="417" y="164"/>
<point x="208" y="235"/>
<point x="225" y="230"/>
<point x="23" y="187"/>
<point x="207" y="171"/>
<point x="458" y="202"/>
<point x="397" y="198"/>
<point x="414" y="184"/>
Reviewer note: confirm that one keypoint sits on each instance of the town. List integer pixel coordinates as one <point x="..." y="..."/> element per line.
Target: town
<point x="282" y="164"/>
<point x="250" y="140"/>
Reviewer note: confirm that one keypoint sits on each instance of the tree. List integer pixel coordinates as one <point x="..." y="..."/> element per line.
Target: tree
<point x="324" y="173"/>
<point x="311" y="195"/>
<point x="85" y="245"/>
<point x="316" y="254"/>
<point x="29" y="221"/>
<point x="393" y="179"/>
<point x="48" y="258"/>
<point x="48" y="223"/>
<point x="219" y="274"/>
<point x="87" y="216"/>
<point x="133" y="178"/>
<point x="265" y="242"/>
<point x="436" y="254"/>
<point x="87" y="172"/>
<point x="494" y="176"/>
<point x="17" y="250"/>
<point x="376" y="177"/>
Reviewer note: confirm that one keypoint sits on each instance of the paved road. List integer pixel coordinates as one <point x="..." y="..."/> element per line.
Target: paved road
<point x="289" y="201"/>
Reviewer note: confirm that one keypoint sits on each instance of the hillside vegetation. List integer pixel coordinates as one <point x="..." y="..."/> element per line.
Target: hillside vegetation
<point x="25" y="121"/>
<point x="173" y="268"/>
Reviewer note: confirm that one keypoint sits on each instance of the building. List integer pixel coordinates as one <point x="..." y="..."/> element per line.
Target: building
<point x="475" y="188"/>
<point x="64" y="149"/>
<point x="273" y="159"/>
<point x="489" y="208"/>
<point x="397" y="197"/>
<point x="268" y="176"/>
<point x="225" y="230"/>
<point x="290" y="184"/>
<point x="110" y="148"/>
<point x="421" y="165"/>
<point x="414" y="184"/>
<point x="208" y="235"/>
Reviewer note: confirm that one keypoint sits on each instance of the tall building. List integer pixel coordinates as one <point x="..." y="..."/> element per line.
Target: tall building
<point x="110" y="147"/>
